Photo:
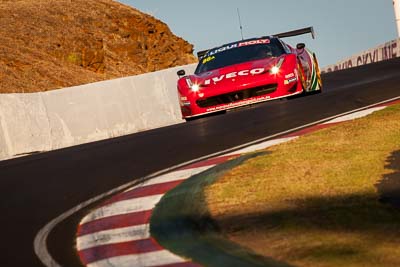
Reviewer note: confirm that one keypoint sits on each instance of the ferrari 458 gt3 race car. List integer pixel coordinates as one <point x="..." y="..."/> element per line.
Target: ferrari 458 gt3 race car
<point x="246" y="72"/>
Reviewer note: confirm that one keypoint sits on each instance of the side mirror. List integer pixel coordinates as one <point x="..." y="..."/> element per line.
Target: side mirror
<point x="181" y="73"/>
<point x="300" y="46"/>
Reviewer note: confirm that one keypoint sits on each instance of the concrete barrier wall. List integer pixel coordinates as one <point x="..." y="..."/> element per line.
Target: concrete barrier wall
<point x="81" y="114"/>
<point x="386" y="51"/>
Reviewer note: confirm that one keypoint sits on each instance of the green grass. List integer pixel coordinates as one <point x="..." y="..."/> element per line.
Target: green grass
<point x="314" y="201"/>
<point x="181" y="223"/>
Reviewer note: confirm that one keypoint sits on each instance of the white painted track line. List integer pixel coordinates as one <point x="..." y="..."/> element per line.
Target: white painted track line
<point x="124" y="207"/>
<point x="118" y="235"/>
<point x="263" y="145"/>
<point x="176" y="175"/>
<point x="158" y="258"/>
<point x="355" y="115"/>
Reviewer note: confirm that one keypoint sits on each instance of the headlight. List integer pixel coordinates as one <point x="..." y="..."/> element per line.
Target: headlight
<point x="193" y="87"/>
<point x="275" y="69"/>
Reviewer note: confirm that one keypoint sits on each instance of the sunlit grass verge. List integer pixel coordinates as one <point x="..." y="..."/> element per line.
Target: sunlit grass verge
<point x="314" y="201"/>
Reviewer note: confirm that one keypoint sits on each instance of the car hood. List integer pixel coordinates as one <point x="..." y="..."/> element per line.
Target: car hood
<point x="235" y="73"/>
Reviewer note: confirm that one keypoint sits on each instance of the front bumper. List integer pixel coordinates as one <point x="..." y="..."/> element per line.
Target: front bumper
<point x="194" y="105"/>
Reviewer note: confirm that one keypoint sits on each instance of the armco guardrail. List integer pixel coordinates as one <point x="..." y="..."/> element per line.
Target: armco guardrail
<point x="81" y="114"/>
<point x="386" y="51"/>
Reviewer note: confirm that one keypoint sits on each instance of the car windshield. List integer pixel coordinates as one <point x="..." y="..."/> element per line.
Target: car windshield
<point x="235" y="54"/>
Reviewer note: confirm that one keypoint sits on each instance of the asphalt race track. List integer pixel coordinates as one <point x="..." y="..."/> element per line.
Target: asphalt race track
<point x="36" y="189"/>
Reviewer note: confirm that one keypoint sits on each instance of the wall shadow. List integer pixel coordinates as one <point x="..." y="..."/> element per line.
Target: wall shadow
<point x="364" y="217"/>
<point x="389" y="186"/>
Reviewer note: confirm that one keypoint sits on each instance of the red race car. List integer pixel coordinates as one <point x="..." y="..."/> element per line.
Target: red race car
<point x="247" y="72"/>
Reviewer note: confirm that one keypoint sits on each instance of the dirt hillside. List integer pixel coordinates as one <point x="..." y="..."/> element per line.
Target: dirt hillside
<point x="49" y="44"/>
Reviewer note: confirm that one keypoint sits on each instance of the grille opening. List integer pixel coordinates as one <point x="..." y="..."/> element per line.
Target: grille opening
<point x="237" y="96"/>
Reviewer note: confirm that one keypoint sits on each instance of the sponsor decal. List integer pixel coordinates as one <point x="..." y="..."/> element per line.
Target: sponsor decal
<point x="289" y="81"/>
<point x="236" y="45"/>
<point x="239" y="103"/>
<point x="254" y="42"/>
<point x="208" y="59"/>
<point x="185" y="103"/>
<point x="234" y="74"/>
<point x="291" y="75"/>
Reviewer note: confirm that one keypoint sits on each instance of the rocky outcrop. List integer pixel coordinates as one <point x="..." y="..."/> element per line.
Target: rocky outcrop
<point x="49" y="44"/>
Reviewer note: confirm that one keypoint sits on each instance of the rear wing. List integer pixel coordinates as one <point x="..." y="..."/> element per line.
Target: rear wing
<point x="296" y="32"/>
